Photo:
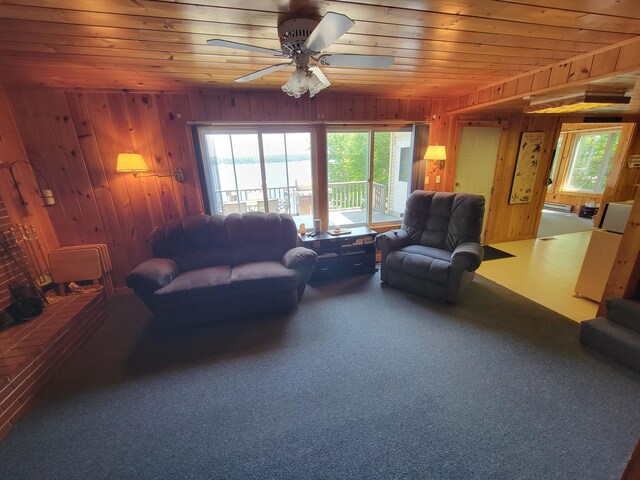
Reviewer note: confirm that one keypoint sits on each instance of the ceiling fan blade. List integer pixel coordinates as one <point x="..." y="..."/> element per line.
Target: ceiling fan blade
<point x="262" y="73"/>
<point x="330" y="29"/>
<point x="321" y="76"/>
<point x="356" y="61"/>
<point x="214" y="42"/>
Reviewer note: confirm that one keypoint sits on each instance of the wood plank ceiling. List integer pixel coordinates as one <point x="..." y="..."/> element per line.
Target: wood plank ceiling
<point x="442" y="48"/>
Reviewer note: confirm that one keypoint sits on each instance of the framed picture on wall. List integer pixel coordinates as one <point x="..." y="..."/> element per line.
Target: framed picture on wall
<point x="524" y="176"/>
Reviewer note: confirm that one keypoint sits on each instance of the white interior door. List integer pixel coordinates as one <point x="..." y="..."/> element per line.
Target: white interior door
<point x="476" y="162"/>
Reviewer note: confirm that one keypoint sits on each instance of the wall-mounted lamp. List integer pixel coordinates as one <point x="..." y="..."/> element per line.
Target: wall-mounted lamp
<point x="134" y="163"/>
<point x="436" y="152"/>
<point x="43" y="185"/>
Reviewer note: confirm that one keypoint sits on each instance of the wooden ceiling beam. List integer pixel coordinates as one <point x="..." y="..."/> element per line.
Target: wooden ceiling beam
<point x="606" y="63"/>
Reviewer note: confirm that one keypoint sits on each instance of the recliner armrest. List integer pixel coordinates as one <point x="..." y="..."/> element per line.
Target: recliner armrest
<point x="152" y="275"/>
<point x="299" y="257"/>
<point x="392" y="240"/>
<point x="467" y="256"/>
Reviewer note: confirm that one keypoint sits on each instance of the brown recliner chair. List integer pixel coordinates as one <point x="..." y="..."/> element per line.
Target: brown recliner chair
<point x="437" y="249"/>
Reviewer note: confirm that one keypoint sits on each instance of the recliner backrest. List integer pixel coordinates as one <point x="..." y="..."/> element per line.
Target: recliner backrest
<point x="443" y="220"/>
<point x="199" y="241"/>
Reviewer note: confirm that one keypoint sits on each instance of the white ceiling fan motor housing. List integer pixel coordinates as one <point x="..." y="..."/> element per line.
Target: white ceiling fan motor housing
<point x="293" y="33"/>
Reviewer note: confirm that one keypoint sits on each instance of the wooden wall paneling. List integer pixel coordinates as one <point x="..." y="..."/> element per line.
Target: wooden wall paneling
<point x="484" y="95"/>
<point x="149" y="186"/>
<point x="212" y="107"/>
<point x="439" y="134"/>
<point x="196" y="104"/>
<point x="629" y="178"/>
<point x="182" y="154"/>
<point x="128" y="252"/>
<point x="270" y="107"/>
<point x="68" y="142"/>
<point x="138" y="236"/>
<point x="604" y="62"/>
<point x="283" y="106"/>
<point x="42" y="149"/>
<point x="155" y="141"/>
<point x="359" y="108"/>
<point x="12" y="150"/>
<point x="531" y="219"/>
<point x="256" y="105"/>
<point x="393" y="109"/>
<point x="228" y="109"/>
<point x="403" y="109"/>
<point x="382" y="108"/>
<point x="559" y="73"/>
<point x="505" y="164"/>
<point x="347" y="108"/>
<point x="580" y="69"/>
<point x="242" y="106"/>
<point x="371" y="108"/>
<point x="112" y="233"/>
<point x="625" y="274"/>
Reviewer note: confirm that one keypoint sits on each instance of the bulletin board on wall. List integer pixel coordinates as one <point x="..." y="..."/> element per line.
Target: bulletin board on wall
<point x="524" y="175"/>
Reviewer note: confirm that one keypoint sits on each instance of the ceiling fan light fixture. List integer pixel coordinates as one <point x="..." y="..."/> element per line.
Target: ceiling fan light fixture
<point x="305" y="80"/>
<point x="296" y="86"/>
<point x="315" y="84"/>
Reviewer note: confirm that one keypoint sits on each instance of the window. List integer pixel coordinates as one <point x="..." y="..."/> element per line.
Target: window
<point x="369" y="172"/>
<point x="254" y="170"/>
<point x="591" y="161"/>
<point x="554" y="163"/>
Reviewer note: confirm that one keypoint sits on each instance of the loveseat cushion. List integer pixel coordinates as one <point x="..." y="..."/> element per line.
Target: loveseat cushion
<point x="263" y="276"/>
<point x="422" y="262"/>
<point x="198" y="282"/>
<point x="257" y="237"/>
<point x="193" y="242"/>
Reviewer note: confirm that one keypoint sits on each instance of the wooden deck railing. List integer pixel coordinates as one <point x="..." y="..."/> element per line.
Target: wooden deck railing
<point x="342" y="196"/>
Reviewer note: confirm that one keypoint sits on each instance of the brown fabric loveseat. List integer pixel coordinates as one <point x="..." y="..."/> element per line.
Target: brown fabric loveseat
<point x="207" y="267"/>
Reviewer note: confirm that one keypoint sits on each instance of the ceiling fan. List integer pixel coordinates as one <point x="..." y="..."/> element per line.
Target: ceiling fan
<point x="303" y="40"/>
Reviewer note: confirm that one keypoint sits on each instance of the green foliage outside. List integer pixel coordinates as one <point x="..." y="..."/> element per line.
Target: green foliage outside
<point x="587" y="170"/>
<point x="348" y="156"/>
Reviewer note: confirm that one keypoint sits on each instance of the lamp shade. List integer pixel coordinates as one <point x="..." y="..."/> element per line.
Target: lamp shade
<point x="131" y="162"/>
<point x="435" y="152"/>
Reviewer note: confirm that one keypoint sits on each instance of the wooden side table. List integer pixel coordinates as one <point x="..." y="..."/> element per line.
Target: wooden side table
<point x="342" y="255"/>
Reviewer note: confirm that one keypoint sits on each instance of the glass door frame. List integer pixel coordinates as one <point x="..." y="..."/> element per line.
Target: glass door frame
<point x="371" y="130"/>
<point x="201" y="129"/>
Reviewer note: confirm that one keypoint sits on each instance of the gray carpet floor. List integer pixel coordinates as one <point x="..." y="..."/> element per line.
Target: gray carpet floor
<point x="362" y="381"/>
<point x="560" y="223"/>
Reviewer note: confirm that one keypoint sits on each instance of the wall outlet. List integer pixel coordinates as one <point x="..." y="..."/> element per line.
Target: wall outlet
<point x="437" y="178"/>
<point x="426" y="179"/>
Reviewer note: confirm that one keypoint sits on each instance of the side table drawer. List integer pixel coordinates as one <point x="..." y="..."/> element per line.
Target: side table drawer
<point x="327" y="268"/>
<point x="358" y="264"/>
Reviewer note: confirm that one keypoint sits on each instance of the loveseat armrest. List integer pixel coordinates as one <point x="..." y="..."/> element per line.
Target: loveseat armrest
<point x="392" y="240"/>
<point x="299" y="258"/>
<point x="303" y="260"/>
<point x="152" y="275"/>
<point x="467" y="256"/>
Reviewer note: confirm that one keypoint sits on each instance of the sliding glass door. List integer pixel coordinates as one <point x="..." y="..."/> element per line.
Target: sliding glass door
<point x="254" y="170"/>
<point x="369" y="175"/>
